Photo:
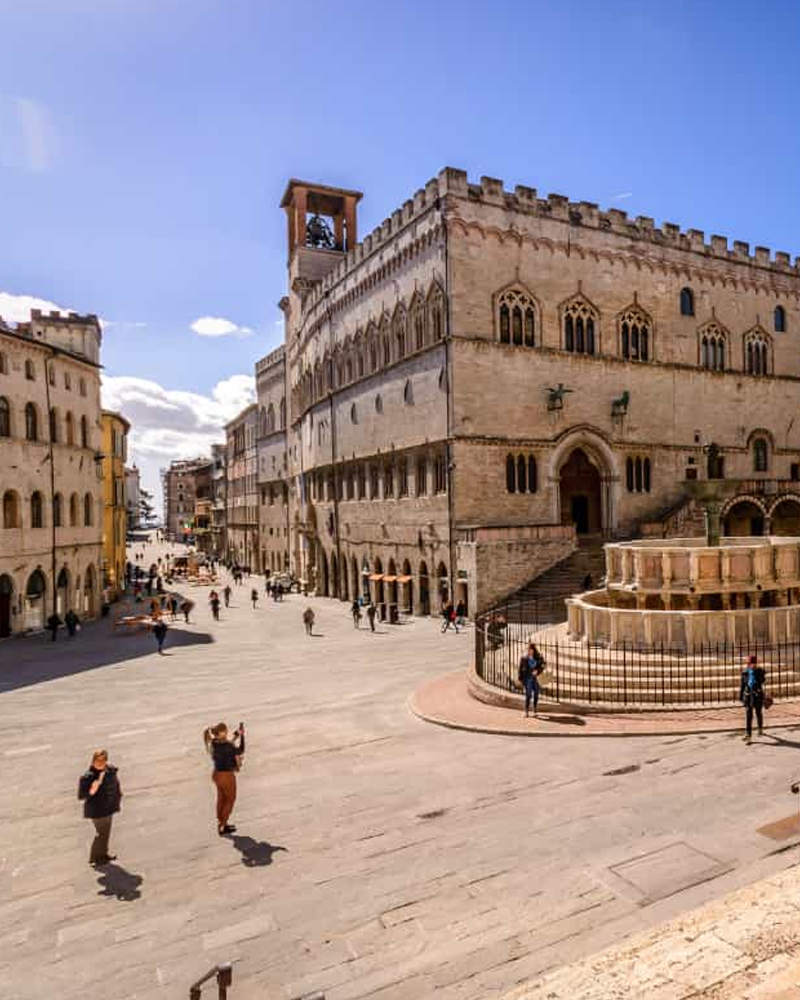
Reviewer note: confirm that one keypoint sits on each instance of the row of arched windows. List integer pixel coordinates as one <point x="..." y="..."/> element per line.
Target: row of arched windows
<point x="266" y="419"/>
<point x="637" y="474"/>
<point x="12" y="510"/>
<point x="517" y="321"/>
<point x="33" y="430"/>
<point x="30" y="373"/>
<point x="408" y="329"/>
<point x="383" y="479"/>
<point x="715" y="355"/>
<point x="521" y="474"/>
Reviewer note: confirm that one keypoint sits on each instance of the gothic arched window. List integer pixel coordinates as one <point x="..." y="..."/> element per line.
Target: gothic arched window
<point x="5" y="418"/>
<point x="532" y="477"/>
<point x="521" y="474"/>
<point x="511" y="474"/>
<point x="436" y="312"/>
<point x="780" y="319"/>
<point x="635" y="339"/>
<point x="399" y="330"/>
<point x="37" y="514"/>
<point x="581" y="323"/>
<point x="31" y="422"/>
<point x="516" y="318"/>
<point x="713" y="347"/>
<point x="418" y="322"/>
<point x="87" y="510"/>
<point x="687" y="302"/>
<point x="757" y="352"/>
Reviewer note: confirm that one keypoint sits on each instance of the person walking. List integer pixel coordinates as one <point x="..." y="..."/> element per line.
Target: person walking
<point x="530" y="667"/>
<point x="355" y="610"/>
<point x="173" y="607"/>
<point x="186" y="607"/>
<point x="308" y="620"/>
<point x="371" y="612"/>
<point x="751" y="695"/>
<point x="227" y="756"/>
<point x="226" y="593"/>
<point x="100" y="791"/>
<point x="449" y="617"/>
<point x="254" y="597"/>
<point x="160" y="630"/>
<point x="461" y="614"/>
<point x="72" y="622"/>
<point x="53" y="623"/>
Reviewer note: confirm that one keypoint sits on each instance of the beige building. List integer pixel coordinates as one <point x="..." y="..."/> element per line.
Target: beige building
<point x="178" y="485"/>
<point x="272" y="462"/>
<point x="115" y="515"/>
<point x="52" y="509"/>
<point x="242" y="489"/>
<point x="490" y="376"/>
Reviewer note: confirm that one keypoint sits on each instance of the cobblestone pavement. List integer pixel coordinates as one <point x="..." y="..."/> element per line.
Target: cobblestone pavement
<point x="446" y="701"/>
<point x="376" y="855"/>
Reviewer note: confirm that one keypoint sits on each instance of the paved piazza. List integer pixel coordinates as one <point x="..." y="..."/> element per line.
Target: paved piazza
<point x="376" y="855"/>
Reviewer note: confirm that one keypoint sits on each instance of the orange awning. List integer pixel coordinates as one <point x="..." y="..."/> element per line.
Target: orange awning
<point x="390" y="579"/>
<point x="405" y="579"/>
<point x="376" y="576"/>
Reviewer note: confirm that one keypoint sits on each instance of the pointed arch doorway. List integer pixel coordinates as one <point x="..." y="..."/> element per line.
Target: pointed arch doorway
<point x="580" y="489"/>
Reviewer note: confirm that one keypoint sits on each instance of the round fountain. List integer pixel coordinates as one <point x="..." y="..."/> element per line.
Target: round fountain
<point x="674" y="621"/>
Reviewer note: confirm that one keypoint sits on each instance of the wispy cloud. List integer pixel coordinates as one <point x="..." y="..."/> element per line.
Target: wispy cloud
<point x="622" y="196"/>
<point x="216" y="326"/>
<point x="30" y="137"/>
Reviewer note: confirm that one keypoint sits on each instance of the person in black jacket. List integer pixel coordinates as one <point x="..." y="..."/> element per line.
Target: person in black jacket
<point x="100" y="791"/>
<point x="751" y="695"/>
<point x="227" y="756"/>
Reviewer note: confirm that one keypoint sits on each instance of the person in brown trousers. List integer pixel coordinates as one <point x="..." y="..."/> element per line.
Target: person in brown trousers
<point x="227" y="756"/>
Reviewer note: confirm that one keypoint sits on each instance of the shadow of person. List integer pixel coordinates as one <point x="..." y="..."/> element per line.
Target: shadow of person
<point x="255" y="853"/>
<point x="117" y="882"/>
<point x="562" y="719"/>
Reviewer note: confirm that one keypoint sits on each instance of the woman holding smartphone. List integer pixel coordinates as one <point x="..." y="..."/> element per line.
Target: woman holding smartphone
<point x="227" y="756"/>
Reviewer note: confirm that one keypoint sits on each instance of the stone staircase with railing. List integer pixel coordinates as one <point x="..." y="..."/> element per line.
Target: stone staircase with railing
<point x="566" y="577"/>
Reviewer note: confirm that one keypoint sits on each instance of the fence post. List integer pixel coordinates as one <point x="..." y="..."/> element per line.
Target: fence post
<point x="558" y="689"/>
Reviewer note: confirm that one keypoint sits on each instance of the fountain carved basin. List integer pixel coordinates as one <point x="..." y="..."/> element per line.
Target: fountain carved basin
<point x="684" y="594"/>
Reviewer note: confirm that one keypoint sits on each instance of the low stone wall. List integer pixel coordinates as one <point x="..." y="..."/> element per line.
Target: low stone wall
<point x="502" y="559"/>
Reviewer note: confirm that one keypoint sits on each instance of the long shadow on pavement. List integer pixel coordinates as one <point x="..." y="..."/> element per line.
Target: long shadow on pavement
<point x="34" y="659"/>
<point x="255" y="853"/>
<point x="121" y="884"/>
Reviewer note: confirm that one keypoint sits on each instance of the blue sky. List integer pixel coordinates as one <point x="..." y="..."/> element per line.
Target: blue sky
<point x="146" y="145"/>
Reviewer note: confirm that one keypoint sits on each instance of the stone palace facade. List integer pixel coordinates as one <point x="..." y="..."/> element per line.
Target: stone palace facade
<point x="490" y="375"/>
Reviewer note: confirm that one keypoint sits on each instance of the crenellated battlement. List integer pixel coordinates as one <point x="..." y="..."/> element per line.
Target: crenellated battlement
<point x="491" y="191"/>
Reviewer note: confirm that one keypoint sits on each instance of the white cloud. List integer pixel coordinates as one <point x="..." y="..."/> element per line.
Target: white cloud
<point x="622" y="196"/>
<point x="17" y="308"/>
<point x="168" y="424"/>
<point x="216" y="326"/>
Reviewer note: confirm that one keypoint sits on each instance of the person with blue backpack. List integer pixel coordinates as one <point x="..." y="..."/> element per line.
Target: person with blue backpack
<point x="751" y="695"/>
<point x="530" y="667"/>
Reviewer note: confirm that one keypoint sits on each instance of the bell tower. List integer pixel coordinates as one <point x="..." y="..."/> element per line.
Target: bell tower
<point x="321" y="227"/>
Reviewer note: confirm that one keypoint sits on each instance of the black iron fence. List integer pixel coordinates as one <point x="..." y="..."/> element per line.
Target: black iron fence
<point x="625" y="675"/>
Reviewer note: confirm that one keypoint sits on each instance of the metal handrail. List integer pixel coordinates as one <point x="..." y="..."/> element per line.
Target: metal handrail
<point x="224" y="976"/>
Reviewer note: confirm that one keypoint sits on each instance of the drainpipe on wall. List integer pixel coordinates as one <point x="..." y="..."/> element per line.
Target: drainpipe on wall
<point x="50" y="456"/>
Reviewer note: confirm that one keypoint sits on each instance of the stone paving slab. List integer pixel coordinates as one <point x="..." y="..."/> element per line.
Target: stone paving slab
<point x="745" y="946"/>
<point x="446" y="700"/>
